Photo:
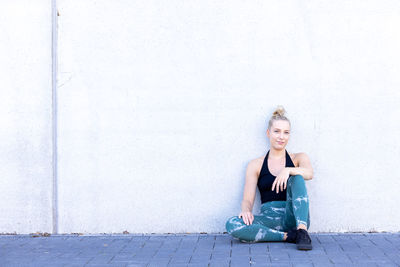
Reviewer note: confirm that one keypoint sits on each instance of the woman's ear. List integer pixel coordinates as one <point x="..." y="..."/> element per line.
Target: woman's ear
<point x="268" y="133"/>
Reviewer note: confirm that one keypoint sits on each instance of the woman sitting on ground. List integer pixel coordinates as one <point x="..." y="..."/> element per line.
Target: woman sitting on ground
<point x="284" y="211"/>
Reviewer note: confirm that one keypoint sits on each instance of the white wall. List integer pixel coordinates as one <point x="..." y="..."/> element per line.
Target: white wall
<point x="161" y="105"/>
<point x="25" y="117"/>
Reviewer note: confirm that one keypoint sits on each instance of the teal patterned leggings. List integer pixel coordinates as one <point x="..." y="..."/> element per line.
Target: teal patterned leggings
<point x="276" y="217"/>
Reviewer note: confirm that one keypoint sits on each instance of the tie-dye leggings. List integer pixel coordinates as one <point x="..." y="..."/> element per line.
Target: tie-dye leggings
<point x="276" y="217"/>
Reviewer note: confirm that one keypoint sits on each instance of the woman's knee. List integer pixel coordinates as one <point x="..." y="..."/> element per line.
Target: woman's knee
<point x="297" y="179"/>
<point x="234" y="223"/>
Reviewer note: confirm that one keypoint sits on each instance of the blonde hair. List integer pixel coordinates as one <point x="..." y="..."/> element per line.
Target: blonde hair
<point x="278" y="114"/>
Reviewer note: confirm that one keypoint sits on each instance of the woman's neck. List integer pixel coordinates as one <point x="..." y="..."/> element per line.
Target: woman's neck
<point x="277" y="154"/>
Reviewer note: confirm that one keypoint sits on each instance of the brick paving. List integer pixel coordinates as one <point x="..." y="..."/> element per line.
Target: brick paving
<point x="350" y="249"/>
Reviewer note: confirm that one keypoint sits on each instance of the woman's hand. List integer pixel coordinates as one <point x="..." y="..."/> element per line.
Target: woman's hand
<point x="281" y="180"/>
<point x="247" y="217"/>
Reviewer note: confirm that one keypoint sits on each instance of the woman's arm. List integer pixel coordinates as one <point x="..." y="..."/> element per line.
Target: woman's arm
<point x="305" y="169"/>
<point x="249" y="193"/>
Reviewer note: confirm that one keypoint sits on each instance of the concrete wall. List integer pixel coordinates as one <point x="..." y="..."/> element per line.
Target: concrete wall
<point x="161" y="105"/>
<point x="25" y="117"/>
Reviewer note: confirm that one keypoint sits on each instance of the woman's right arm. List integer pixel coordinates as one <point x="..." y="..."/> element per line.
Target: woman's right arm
<point x="249" y="193"/>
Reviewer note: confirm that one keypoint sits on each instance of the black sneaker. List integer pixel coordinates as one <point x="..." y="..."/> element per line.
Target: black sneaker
<point x="303" y="240"/>
<point x="291" y="236"/>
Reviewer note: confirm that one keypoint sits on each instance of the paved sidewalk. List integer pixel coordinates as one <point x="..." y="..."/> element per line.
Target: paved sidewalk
<point x="371" y="249"/>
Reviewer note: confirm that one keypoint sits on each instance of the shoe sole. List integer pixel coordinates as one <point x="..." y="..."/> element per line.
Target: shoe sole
<point x="247" y="242"/>
<point x="304" y="247"/>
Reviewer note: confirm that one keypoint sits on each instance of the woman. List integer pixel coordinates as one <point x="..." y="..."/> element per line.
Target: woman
<point x="280" y="178"/>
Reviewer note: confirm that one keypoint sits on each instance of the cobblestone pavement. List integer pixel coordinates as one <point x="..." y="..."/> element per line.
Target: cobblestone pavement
<point x="366" y="249"/>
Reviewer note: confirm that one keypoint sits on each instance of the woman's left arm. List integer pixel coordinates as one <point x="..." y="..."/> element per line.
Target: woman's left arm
<point x="304" y="169"/>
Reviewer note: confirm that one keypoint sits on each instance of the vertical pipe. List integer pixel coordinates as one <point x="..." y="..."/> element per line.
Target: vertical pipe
<point x="54" y="113"/>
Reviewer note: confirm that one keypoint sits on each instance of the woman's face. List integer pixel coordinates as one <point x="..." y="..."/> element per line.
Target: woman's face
<point x="279" y="134"/>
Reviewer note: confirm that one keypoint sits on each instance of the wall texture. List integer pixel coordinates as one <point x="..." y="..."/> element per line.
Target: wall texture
<point x="161" y="105"/>
<point x="25" y="117"/>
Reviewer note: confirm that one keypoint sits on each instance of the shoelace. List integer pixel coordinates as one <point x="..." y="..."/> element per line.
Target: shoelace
<point x="303" y="235"/>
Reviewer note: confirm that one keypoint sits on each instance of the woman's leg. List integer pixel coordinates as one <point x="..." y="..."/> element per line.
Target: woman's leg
<point x="265" y="227"/>
<point x="297" y="204"/>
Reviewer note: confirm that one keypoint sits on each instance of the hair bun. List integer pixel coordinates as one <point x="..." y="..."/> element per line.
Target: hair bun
<point x="279" y="111"/>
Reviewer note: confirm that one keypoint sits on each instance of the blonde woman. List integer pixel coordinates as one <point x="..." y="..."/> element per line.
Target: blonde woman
<point x="280" y="177"/>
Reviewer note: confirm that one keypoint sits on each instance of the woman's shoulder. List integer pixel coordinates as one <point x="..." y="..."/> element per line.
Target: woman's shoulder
<point x="297" y="157"/>
<point x="257" y="163"/>
<point x="259" y="160"/>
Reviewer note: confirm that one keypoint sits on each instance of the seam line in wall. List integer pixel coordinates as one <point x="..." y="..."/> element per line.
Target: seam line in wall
<point x="54" y="114"/>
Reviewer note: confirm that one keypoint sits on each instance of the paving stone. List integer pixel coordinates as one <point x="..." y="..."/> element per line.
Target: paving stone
<point x="197" y="250"/>
<point x="220" y="255"/>
<point x="324" y="264"/>
<point x="282" y="264"/>
<point x="303" y="265"/>
<point x="159" y="262"/>
<point x="239" y="264"/>
<point x="199" y="260"/>
<point x="219" y="264"/>
<point x="180" y="260"/>
<point x="101" y="259"/>
<point x="279" y="257"/>
<point x="227" y="260"/>
<point x="340" y="259"/>
<point x="240" y="258"/>
<point x="322" y="261"/>
<point x="258" y="250"/>
<point x="260" y="260"/>
<point x="298" y="253"/>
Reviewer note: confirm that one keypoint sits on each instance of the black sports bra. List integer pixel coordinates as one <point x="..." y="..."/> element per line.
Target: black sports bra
<point x="266" y="179"/>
